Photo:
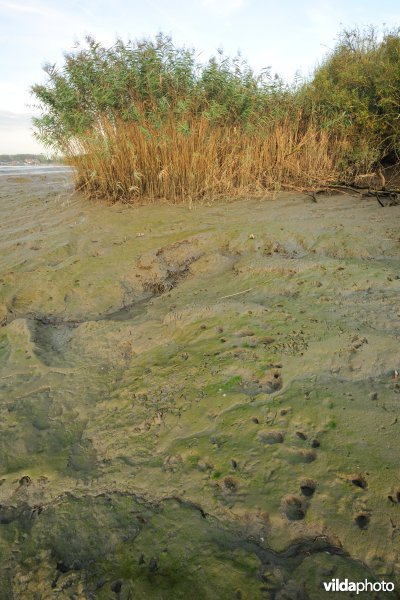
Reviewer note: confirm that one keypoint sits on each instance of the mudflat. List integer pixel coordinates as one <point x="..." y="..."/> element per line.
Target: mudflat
<point x="197" y="403"/>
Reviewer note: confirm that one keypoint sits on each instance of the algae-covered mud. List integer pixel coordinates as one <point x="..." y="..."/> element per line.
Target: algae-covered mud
<point x="197" y="404"/>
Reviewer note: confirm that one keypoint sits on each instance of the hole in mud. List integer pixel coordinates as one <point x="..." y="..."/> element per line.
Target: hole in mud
<point x="362" y="520"/>
<point x="25" y="480"/>
<point x="230" y="483"/>
<point x="293" y="507"/>
<point x="153" y="566"/>
<point x="116" y="587"/>
<point x="359" y="481"/>
<point x="309" y="456"/>
<point x="308" y="487"/>
<point x="395" y="498"/>
<point x="62" y="567"/>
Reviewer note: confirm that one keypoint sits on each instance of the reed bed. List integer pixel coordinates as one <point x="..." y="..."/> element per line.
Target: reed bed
<point x="143" y="120"/>
<point x="132" y="162"/>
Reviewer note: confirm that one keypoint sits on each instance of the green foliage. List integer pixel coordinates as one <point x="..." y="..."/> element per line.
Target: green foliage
<point x="147" y="79"/>
<point x="150" y="108"/>
<point x="357" y="89"/>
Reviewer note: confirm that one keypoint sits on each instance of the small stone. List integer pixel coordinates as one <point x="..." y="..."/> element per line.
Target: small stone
<point x="373" y="396"/>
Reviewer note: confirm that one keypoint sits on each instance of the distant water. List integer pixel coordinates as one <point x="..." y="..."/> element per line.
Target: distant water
<point x="33" y="169"/>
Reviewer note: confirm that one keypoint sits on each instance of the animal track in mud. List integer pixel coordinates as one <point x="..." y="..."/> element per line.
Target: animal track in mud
<point x="50" y="339"/>
<point x="394" y="497"/>
<point x="270" y="437"/>
<point x="362" y="520"/>
<point x="164" y="269"/>
<point x="308" y="487"/>
<point x="294" y="507"/>
<point x="359" y="481"/>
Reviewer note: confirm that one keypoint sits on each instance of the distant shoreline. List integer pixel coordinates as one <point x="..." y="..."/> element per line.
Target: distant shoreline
<point x="33" y="169"/>
<point x="30" y="160"/>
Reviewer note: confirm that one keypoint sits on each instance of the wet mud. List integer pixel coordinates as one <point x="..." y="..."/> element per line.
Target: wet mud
<point x="197" y="403"/>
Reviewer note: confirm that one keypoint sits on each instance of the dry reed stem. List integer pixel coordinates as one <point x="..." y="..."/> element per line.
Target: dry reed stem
<point x="131" y="161"/>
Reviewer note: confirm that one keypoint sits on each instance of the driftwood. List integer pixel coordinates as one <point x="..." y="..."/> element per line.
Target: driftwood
<point x="384" y="197"/>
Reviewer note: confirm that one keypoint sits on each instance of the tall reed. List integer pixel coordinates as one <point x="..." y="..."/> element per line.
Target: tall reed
<point x="129" y="161"/>
<point x="144" y="120"/>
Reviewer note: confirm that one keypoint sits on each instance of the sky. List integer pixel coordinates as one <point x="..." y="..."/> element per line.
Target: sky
<point x="287" y="35"/>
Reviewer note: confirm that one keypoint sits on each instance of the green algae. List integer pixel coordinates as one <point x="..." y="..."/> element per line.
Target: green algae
<point x="143" y="378"/>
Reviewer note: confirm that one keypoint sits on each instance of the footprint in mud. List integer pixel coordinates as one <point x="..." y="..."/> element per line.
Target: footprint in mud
<point x="300" y="456"/>
<point x="270" y="383"/>
<point x="308" y="487"/>
<point x="25" y="480"/>
<point x="270" y="437"/>
<point x="116" y="587"/>
<point x="230" y="483"/>
<point x="362" y="520"/>
<point x="358" y="480"/>
<point x="394" y="497"/>
<point x="294" y="507"/>
<point x="51" y="339"/>
<point x="245" y="333"/>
